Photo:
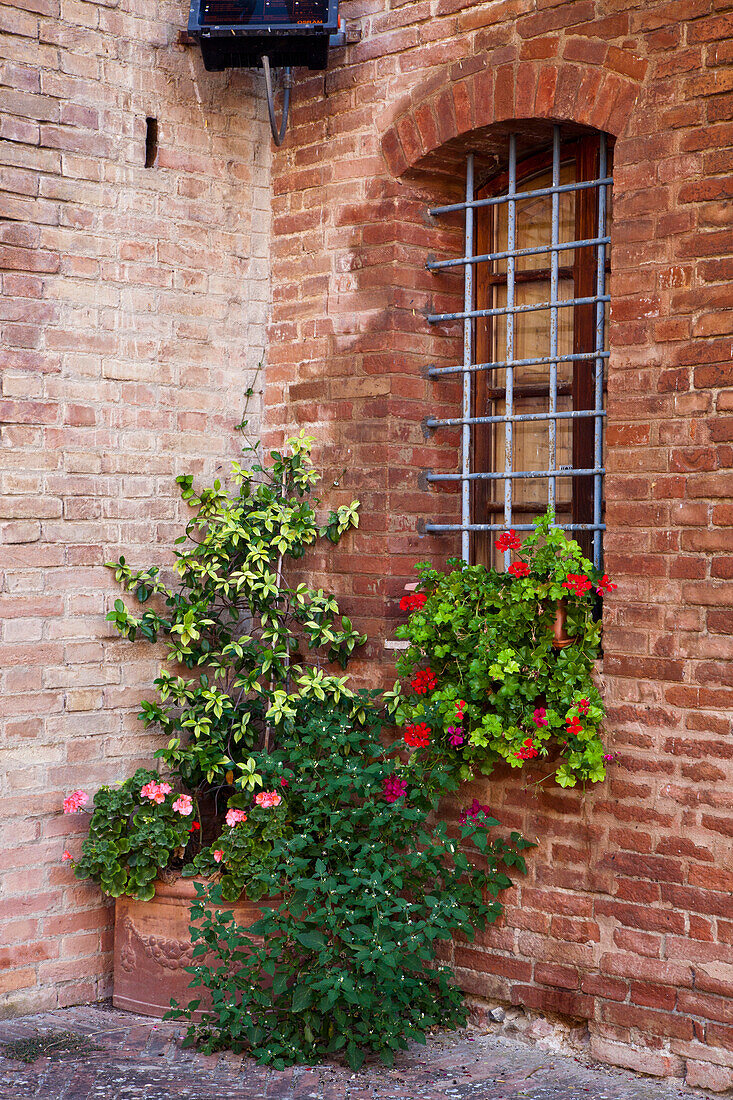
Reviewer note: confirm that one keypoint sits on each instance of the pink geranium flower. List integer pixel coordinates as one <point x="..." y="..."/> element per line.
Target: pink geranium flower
<point x="156" y="792"/>
<point x="394" y="788"/>
<point x="234" y="817"/>
<point x="455" y="736"/>
<point x="66" y="855"/>
<point x="183" y="805"/>
<point x="218" y="855"/>
<point x="472" y="813"/>
<point x="540" y="717"/>
<point x="75" y="801"/>
<point x="268" y="799"/>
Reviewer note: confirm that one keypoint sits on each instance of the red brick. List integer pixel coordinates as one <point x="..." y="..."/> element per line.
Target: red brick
<point x="565" y="1002"/>
<point x="647" y="1020"/>
<point x="654" y="1063"/>
<point x="704" y="1075"/>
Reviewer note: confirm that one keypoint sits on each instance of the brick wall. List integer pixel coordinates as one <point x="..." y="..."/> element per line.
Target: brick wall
<point x="626" y="918"/>
<point x="133" y="309"/>
<point x="132" y="318"/>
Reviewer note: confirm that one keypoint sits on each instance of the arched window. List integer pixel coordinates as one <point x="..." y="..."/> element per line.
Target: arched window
<point x="536" y="270"/>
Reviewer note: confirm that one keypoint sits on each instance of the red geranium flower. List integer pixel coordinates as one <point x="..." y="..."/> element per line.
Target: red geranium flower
<point x="413" y="601"/>
<point x="508" y="540"/>
<point x="417" y="736"/>
<point x="574" y="727"/>
<point x="605" y="585"/>
<point x="423" y="681"/>
<point x="527" y="751"/>
<point x="519" y="569"/>
<point x="577" y="583"/>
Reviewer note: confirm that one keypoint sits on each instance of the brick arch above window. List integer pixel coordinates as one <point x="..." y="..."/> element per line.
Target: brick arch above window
<point x="436" y="115"/>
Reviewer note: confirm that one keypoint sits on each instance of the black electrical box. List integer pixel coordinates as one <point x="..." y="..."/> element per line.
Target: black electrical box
<point x="235" y="34"/>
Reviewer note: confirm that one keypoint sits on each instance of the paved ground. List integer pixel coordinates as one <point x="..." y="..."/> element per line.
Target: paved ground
<point x="135" y="1058"/>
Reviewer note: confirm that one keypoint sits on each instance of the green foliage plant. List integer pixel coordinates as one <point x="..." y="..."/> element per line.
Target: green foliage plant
<point x="131" y="837"/>
<point x="234" y="620"/>
<point x="371" y="883"/>
<point x="244" y="854"/>
<point x="246" y="647"/>
<point x="485" y="684"/>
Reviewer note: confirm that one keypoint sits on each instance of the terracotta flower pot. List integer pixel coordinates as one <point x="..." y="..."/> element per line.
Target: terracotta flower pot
<point x="560" y="637"/>
<point x="153" y="947"/>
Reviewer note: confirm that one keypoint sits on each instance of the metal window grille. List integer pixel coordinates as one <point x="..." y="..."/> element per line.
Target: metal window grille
<point x="469" y="368"/>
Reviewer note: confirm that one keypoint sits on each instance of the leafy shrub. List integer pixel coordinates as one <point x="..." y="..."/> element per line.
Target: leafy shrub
<point x="235" y="620"/>
<point x="255" y="645"/>
<point x="370" y="884"/>
<point x="495" y="689"/>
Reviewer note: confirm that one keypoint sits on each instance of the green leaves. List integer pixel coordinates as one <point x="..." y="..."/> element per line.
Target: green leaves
<point x="234" y="621"/>
<point x="345" y="516"/>
<point x="131" y="838"/>
<point x="312" y="940"/>
<point x="347" y="963"/>
<point x="488" y="639"/>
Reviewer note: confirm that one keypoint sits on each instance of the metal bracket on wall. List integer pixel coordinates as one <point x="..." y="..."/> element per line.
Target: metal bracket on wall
<point x="278" y="133"/>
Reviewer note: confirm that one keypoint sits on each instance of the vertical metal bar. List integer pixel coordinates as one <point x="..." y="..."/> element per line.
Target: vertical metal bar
<point x="554" y="281"/>
<point x="467" y="361"/>
<point x="511" y="244"/>
<point x="600" y="343"/>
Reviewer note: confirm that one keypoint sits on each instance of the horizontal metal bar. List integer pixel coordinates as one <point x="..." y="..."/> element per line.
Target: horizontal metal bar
<point x="498" y="200"/>
<point x="436" y="372"/>
<point x="520" y="508"/>
<point x="540" y="250"/>
<point x="495" y="393"/>
<point x="514" y="475"/>
<point x="503" y="311"/>
<point x="517" y="418"/>
<point x="433" y="527"/>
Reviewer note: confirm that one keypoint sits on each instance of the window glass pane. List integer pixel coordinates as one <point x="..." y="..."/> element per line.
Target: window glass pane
<point x="533" y="222"/>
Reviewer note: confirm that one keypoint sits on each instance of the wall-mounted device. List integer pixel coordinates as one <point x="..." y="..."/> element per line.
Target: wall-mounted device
<point x="236" y="34"/>
<point x="241" y="34"/>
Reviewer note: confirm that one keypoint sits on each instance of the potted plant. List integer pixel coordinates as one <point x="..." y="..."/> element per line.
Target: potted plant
<point x="238" y="628"/>
<point x="500" y="664"/>
<point x="354" y="959"/>
<point x="320" y="880"/>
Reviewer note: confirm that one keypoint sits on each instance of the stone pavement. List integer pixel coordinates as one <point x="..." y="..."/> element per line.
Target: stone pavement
<point x="136" y="1058"/>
